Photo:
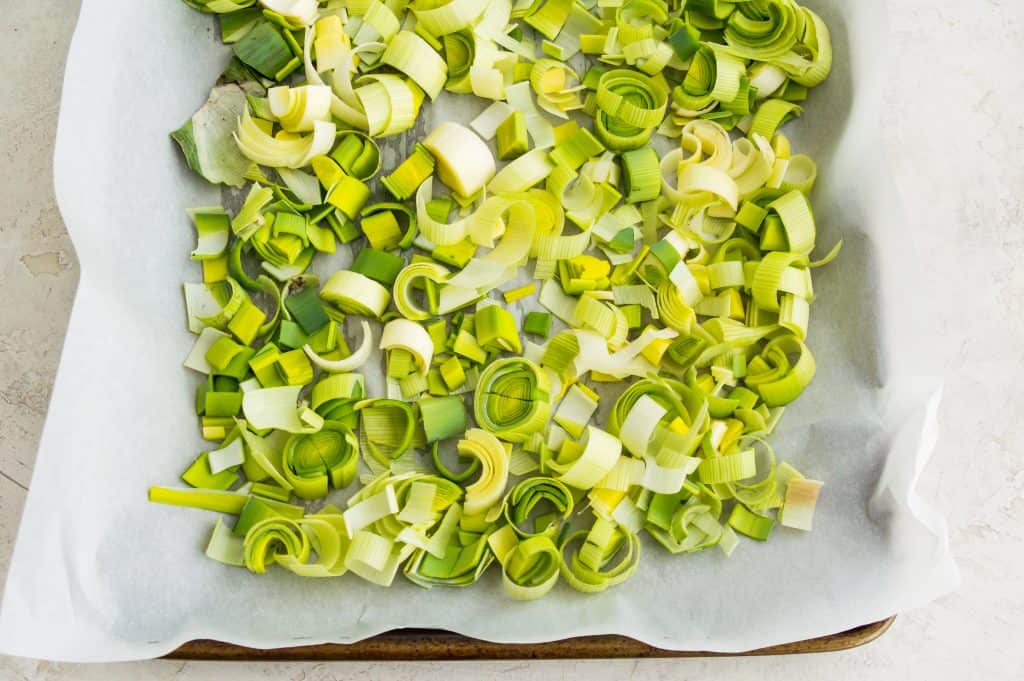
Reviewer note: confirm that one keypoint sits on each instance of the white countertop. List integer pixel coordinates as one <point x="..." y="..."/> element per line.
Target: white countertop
<point x="954" y="136"/>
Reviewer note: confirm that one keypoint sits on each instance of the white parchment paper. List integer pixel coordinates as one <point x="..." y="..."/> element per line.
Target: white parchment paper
<point x="100" y="574"/>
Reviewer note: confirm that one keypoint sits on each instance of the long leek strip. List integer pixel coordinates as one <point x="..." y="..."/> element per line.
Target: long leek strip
<point x="354" y="361"/>
<point x="464" y="162"/>
<point x="353" y="293"/>
<point x="526" y="171"/>
<point x="206" y="499"/>
<point x="494" y="460"/>
<point x="520" y="503"/>
<point x="442" y="18"/>
<point x="512" y="399"/>
<point x="410" y="54"/>
<point x="334" y="54"/>
<point x="588" y="569"/>
<point x="260" y="147"/>
<point x="489" y="270"/>
<point x="640" y="423"/>
<point x="530" y="568"/>
<point x="801" y="498"/>
<point x="600" y="452"/>
<point x="311" y="461"/>
<point x="411" y="337"/>
<point x="271" y="538"/>
<point x="388" y="428"/>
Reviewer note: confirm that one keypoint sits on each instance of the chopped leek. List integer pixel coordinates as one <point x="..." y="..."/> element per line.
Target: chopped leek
<point x="689" y="271"/>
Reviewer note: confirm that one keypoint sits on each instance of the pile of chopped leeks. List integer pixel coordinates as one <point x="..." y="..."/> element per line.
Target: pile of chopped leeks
<point x="683" y="280"/>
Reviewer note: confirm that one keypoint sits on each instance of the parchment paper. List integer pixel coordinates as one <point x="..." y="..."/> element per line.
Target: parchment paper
<point x="100" y="574"/>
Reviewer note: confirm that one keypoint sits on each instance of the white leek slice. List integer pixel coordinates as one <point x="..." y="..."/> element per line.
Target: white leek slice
<point x="419" y="504"/>
<point x="196" y="359"/>
<point x="801" y="498"/>
<point x="464" y="162"/>
<point x="520" y="98"/>
<point x="409" y="336"/>
<point x="299" y="12"/>
<point x="370" y="510"/>
<point x="663" y="480"/>
<point x="486" y="124"/>
<point x="305" y="186"/>
<point x="229" y="455"/>
<point x="638" y="428"/>
<point x="275" y="408"/>
<point x="575" y="410"/>
<point x="225" y="546"/>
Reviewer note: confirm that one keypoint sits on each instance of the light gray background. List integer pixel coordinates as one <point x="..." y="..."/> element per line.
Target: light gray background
<point x="954" y="136"/>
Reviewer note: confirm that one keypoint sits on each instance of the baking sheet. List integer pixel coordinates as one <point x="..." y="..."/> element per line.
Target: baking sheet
<point x="100" y="574"/>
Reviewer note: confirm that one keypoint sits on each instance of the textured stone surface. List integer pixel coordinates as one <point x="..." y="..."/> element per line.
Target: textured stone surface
<point x="954" y="137"/>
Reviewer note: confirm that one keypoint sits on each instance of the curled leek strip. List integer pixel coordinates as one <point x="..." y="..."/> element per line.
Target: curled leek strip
<point x="402" y="334"/>
<point x="594" y="458"/>
<point x="430" y="274"/>
<point x="530" y="567"/>
<point x="525" y="498"/>
<point x="513" y="399"/>
<point x="354" y="293"/>
<point x="593" y="568"/>
<point x="350" y="363"/>
<point x="265" y="150"/>
<point x="631" y="106"/>
<point x="494" y="460"/>
<point x="388" y="427"/>
<point x="312" y="460"/>
<point x="774" y="377"/>
<point x="272" y="538"/>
